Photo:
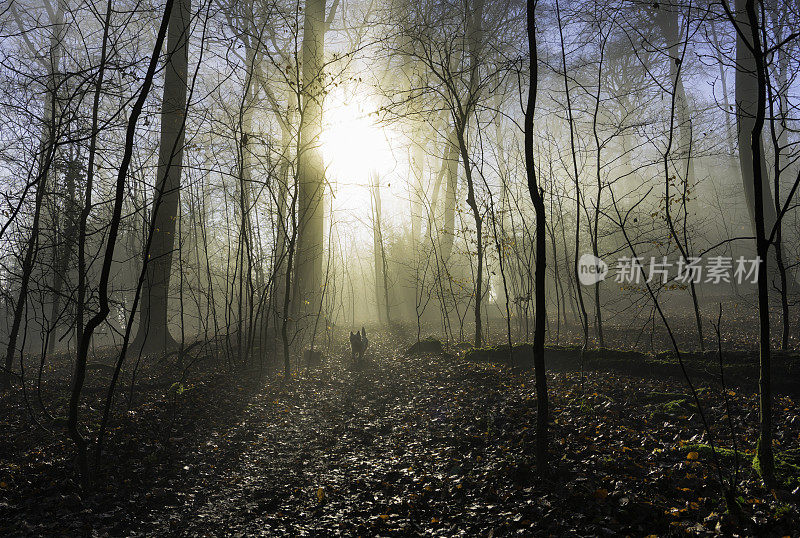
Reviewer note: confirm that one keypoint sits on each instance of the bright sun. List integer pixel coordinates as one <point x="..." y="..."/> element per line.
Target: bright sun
<point x="354" y="147"/>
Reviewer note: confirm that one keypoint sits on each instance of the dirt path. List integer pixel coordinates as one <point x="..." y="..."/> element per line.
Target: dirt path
<point x="440" y="446"/>
<point x="424" y="445"/>
<point x="383" y="448"/>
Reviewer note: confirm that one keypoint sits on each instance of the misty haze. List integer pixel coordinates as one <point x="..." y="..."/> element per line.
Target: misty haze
<point x="399" y="268"/>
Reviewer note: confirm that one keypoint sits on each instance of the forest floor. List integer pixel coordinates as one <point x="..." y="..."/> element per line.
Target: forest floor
<point x="401" y="445"/>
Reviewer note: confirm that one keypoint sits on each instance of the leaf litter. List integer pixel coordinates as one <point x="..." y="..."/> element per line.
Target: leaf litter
<point x="419" y="444"/>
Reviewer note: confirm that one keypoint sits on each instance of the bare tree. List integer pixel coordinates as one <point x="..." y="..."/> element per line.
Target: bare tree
<point x="541" y="249"/>
<point x="111" y="241"/>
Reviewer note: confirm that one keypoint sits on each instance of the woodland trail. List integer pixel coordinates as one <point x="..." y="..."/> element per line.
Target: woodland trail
<point x="440" y="446"/>
<point x="381" y="448"/>
<point x="422" y="445"/>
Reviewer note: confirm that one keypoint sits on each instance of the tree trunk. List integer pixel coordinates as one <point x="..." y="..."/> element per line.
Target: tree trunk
<point x="245" y="244"/>
<point x="45" y="159"/>
<point x="451" y="185"/>
<point x="27" y="265"/>
<point x="667" y="19"/>
<point x="417" y="163"/>
<point x="311" y="171"/>
<point x="724" y="83"/>
<point x="541" y="252"/>
<point x="779" y="141"/>
<point x="594" y="227"/>
<point x="62" y="242"/>
<point x="747" y="110"/>
<point x="751" y="83"/>
<point x="475" y="41"/>
<point x="79" y="373"/>
<point x="64" y="248"/>
<point x="108" y="257"/>
<point x="584" y="319"/>
<point x="379" y="255"/>
<point x="476" y="215"/>
<point x="153" y="334"/>
<point x="280" y="272"/>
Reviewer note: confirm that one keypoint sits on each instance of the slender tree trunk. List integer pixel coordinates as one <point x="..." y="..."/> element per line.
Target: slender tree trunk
<point x="724" y="83"/>
<point x="27" y="265"/>
<point x="778" y="142"/>
<point x="108" y="258"/>
<point x="451" y="186"/>
<point x="377" y="248"/>
<point x="475" y="45"/>
<point x="379" y="252"/>
<point x="45" y="160"/>
<point x="281" y="273"/>
<point x="584" y="318"/>
<point x="433" y="208"/>
<point x="87" y="206"/>
<point x="287" y="291"/>
<point x="417" y="158"/>
<point x="64" y="247"/>
<point x="246" y="244"/>
<point x="667" y="19"/>
<point x="751" y="98"/>
<point x="595" y="225"/>
<point x="747" y="110"/>
<point x="476" y="215"/>
<point x="536" y="193"/>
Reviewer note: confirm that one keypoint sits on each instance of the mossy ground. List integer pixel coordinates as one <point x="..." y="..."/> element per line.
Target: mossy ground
<point x="787" y="462"/>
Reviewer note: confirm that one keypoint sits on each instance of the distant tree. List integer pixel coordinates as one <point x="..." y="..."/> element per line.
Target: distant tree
<point x="45" y="160"/>
<point x="683" y="176"/>
<point x="451" y="44"/>
<point x="379" y="250"/>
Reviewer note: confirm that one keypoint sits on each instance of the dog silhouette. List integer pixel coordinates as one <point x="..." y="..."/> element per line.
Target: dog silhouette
<point x="358" y="344"/>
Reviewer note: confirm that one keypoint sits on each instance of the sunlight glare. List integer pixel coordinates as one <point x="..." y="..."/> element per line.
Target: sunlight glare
<point x="354" y="146"/>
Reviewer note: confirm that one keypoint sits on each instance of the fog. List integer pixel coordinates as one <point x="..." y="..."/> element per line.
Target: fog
<point x="254" y="180"/>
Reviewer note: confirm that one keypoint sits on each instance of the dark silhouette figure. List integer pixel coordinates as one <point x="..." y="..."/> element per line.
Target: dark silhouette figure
<point x="359" y="344"/>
